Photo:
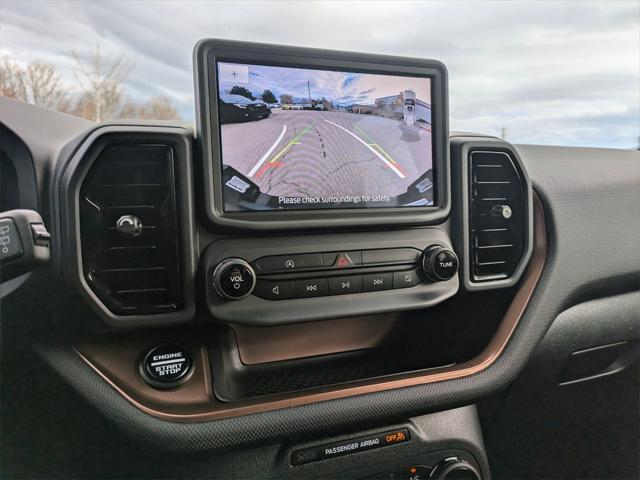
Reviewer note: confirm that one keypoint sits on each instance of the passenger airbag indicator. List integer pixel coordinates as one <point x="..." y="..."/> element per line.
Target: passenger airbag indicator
<point x="346" y="447"/>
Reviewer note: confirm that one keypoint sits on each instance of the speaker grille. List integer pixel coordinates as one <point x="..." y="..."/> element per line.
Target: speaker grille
<point x="497" y="215"/>
<point x="132" y="272"/>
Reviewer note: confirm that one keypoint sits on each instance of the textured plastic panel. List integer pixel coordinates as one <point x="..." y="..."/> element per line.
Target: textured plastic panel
<point x="570" y="424"/>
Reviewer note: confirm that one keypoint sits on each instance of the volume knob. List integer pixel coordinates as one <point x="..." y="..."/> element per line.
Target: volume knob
<point x="439" y="263"/>
<point x="234" y="279"/>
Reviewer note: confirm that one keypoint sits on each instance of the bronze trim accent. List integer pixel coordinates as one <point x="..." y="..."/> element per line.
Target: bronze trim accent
<point x="194" y="400"/>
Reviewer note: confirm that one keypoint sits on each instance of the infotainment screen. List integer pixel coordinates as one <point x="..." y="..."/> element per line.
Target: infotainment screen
<point x="301" y="138"/>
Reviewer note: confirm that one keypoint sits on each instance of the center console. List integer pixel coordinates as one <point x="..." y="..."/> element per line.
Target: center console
<point x="322" y="236"/>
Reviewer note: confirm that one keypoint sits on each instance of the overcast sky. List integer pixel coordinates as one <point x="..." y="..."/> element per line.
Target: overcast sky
<point x="550" y="72"/>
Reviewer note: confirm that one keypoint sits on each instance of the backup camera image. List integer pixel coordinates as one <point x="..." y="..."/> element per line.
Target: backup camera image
<point x="298" y="138"/>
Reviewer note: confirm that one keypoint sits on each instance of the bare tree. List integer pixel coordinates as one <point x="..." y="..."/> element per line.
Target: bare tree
<point x="85" y="106"/>
<point x="161" y="108"/>
<point x="101" y="78"/>
<point x="157" y="108"/>
<point x="101" y="93"/>
<point x="129" y="110"/>
<point x="11" y="75"/>
<point x="38" y="83"/>
<point x="44" y="87"/>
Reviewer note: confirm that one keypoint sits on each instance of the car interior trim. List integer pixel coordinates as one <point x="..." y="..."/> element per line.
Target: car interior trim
<point x="181" y="405"/>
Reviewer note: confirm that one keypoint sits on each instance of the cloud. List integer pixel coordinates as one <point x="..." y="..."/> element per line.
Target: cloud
<point x="549" y="72"/>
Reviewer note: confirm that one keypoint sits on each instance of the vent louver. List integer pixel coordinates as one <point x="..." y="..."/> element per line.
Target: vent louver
<point x="497" y="216"/>
<point x="136" y="270"/>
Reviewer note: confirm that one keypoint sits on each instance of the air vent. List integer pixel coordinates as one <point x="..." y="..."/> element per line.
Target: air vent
<point x="497" y="216"/>
<point x="129" y="230"/>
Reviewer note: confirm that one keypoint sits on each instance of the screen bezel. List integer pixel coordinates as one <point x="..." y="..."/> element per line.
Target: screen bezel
<point x="206" y="55"/>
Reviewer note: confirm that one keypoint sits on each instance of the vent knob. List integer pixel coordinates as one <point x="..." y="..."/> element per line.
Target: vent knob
<point x="129" y="225"/>
<point x="439" y="263"/>
<point x="503" y="211"/>
<point x="234" y="279"/>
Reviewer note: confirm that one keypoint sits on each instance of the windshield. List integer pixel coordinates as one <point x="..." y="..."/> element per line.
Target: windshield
<point x="563" y="73"/>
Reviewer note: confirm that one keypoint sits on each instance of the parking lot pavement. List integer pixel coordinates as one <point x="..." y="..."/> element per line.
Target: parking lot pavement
<point x="311" y="153"/>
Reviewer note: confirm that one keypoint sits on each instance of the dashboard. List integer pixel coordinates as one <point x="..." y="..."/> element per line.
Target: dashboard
<point x="317" y="262"/>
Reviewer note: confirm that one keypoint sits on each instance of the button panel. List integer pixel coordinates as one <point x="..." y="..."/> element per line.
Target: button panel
<point x="336" y="285"/>
<point x="262" y="308"/>
<point x="362" y="265"/>
<point x="275" y="264"/>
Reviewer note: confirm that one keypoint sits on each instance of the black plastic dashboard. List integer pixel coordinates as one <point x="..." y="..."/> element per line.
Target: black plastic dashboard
<point x="111" y="177"/>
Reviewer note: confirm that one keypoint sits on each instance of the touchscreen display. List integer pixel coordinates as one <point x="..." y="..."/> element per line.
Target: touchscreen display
<point x="302" y="138"/>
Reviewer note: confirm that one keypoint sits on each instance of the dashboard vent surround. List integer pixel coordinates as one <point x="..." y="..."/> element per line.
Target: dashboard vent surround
<point x="133" y="271"/>
<point x="497" y="216"/>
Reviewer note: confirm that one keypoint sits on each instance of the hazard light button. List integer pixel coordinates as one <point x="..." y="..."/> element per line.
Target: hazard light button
<point x="338" y="260"/>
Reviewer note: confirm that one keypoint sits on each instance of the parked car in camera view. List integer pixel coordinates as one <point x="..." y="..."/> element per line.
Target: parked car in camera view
<point x="236" y="108"/>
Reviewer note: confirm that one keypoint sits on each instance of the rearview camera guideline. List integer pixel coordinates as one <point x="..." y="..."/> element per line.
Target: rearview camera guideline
<point x="295" y="138"/>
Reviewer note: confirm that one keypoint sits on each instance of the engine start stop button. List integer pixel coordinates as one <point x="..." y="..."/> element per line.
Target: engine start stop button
<point x="166" y="366"/>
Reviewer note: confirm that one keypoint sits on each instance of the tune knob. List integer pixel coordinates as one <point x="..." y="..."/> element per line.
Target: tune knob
<point x="439" y="263"/>
<point x="455" y="469"/>
<point x="234" y="279"/>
